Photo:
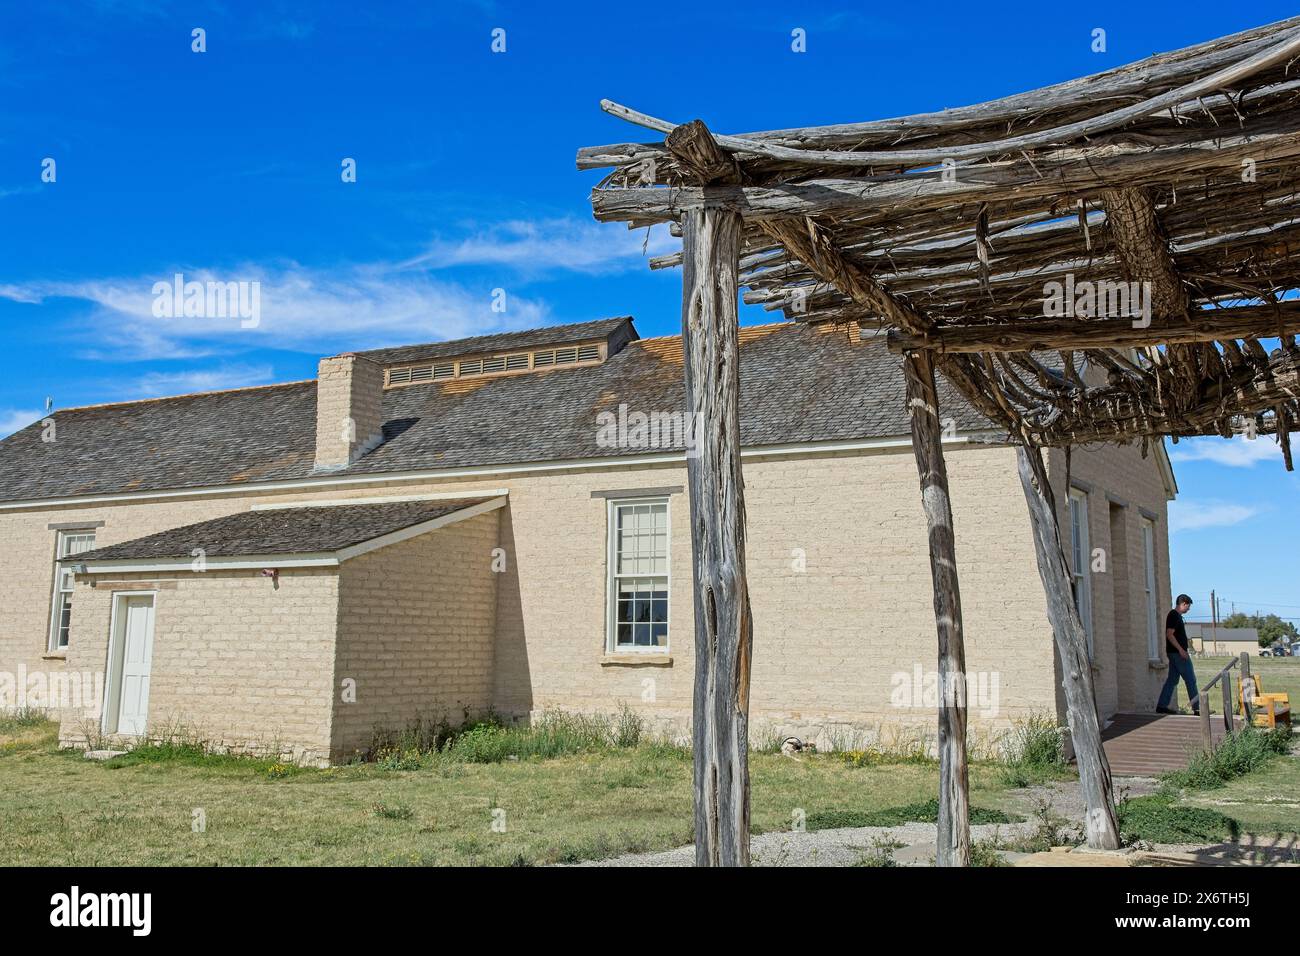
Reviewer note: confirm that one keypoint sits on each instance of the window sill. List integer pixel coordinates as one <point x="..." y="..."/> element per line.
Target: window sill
<point x="636" y="660"/>
<point x="1158" y="665"/>
<point x="54" y="656"/>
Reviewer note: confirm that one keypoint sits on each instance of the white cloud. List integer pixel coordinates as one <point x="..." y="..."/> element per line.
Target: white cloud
<point x="156" y="384"/>
<point x="1185" y="515"/>
<point x="320" y="309"/>
<point x="16" y="419"/>
<point x="1237" y="452"/>
<point x="303" y="309"/>
<point x="533" y="246"/>
<point x="6" y="192"/>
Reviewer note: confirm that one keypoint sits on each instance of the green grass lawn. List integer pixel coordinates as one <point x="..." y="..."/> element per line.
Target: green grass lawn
<point x="1277" y="674"/>
<point x="1264" y="802"/>
<point x="59" y="808"/>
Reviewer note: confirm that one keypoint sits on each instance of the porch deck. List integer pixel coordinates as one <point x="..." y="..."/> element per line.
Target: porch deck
<point x="1144" y="745"/>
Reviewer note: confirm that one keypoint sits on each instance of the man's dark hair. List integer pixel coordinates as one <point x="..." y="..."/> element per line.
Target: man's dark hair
<point x="1184" y="599"/>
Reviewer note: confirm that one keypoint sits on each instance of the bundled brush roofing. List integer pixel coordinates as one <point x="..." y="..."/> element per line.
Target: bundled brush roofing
<point x="1166" y="189"/>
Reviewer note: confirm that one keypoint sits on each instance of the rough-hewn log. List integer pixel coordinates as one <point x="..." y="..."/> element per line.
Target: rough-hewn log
<point x="1143" y="251"/>
<point x="695" y="149"/>
<point x="1100" y="825"/>
<point x="811" y="244"/>
<point x="1133" y="80"/>
<point x="1286" y="47"/>
<point x="1068" y="173"/>
<point x="1031" y="335"/>
<point x="723" y="628"/>
<point x="953" y="848"/>
<point x="1144" y="258"/>
<point x="1110" y="414"/>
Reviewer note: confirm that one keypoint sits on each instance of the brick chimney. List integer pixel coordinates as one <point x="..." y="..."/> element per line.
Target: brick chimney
<point x="349" y="410"/>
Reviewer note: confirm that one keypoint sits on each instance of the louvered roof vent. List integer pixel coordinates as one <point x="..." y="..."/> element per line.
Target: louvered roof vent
<point x="478" y="366"/>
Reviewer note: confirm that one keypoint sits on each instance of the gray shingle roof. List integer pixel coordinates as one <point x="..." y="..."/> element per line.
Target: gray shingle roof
<point x="501" y="342"/>
<point x="280" y="531"/>
<point x="798" y="385"/>
<point x="192" y="441"/>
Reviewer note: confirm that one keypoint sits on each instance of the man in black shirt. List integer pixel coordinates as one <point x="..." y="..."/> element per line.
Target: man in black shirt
<point x="1180" y="663"/>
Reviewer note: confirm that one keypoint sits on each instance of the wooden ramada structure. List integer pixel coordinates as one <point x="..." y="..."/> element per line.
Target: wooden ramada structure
<point x="966" y="236"/>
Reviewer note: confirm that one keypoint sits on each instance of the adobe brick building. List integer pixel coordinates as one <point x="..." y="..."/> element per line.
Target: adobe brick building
<point x="447" y="529"/>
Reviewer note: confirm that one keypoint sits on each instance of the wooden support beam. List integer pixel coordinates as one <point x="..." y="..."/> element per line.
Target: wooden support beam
<point x="1069" y="172"/>
<point x="1130" y="82"/>
<point x="1144" y="257"/>
<point x="1032" y="335"/>
<point x="1100" y="825"/>
<point x="1285" y="48"/>
<point x="695" y="149"/>
<point x="811" y="244"/>
<point x="953" y="848"/>
<point x="723" y="627"/>
<point x="1143" y="251"/>
<point x="1121" y="416"/>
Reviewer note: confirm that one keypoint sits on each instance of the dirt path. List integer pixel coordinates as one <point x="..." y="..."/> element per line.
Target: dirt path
<point x="911" y="844"/>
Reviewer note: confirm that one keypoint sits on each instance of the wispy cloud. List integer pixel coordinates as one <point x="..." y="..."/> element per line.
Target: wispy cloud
<point x="1186" y="515"/>
<point x="7" y="191"/>
<point x="1238" y="452"/>
<point x="536" y="246"/>
<point x="302" y="309"/>
<point x="156" y="384"/>
<point x="321" y="308"/>
<point x="16" y="419"/>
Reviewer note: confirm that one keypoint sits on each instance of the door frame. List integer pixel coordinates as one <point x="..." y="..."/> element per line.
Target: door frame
<point x="113" y="675"/>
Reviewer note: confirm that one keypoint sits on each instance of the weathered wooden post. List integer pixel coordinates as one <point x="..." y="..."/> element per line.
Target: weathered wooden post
<point x="723" y="629"/>
<point x="953" y="848"/>
<point x="1247" y="708"/>
<point x="1101" y="826"/>
<point x="1226" y="689"/>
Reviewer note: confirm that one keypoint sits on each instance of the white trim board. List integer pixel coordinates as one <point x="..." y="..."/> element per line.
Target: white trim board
<point x="891" y="443"/>
<point x="405" y="534"/>
<point x="380" y="500"/>
<point x="314" y="559"/>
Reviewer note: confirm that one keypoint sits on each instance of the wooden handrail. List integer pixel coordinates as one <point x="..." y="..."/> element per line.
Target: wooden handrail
<point x="1242" y="661"/>
<point x="1234" y="662"/>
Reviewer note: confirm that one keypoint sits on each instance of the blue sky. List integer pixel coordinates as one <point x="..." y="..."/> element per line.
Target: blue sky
<point x="226" y="164"/>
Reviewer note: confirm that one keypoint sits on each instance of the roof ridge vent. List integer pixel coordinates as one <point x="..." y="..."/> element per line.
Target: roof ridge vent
<point x="498" y="363"/>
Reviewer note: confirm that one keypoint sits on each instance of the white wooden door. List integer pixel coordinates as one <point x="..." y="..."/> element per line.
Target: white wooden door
<point x="137" y="659"/>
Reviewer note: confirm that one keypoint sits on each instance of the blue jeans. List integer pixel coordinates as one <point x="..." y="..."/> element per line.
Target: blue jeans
<point x="1180" y="667"/>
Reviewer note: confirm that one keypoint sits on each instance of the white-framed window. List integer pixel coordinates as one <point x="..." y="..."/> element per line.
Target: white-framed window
<point x="69" y="543"/>
<point x="1155" y="637"/>
<point x="1081" y="561"/>
<point x="638" y="584"/>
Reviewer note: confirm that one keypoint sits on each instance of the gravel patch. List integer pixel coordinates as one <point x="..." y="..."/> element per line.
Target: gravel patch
<point x="850" y="846"/>
<point x="847" y="846"/>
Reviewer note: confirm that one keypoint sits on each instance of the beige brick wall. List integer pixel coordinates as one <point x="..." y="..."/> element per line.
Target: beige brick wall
<point x="237" y="661"/>
<point x="1121" y="488"/>
<point x="27" y="547"/>
<point x="417" y="622"/>
<point x="832" y="642"/>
